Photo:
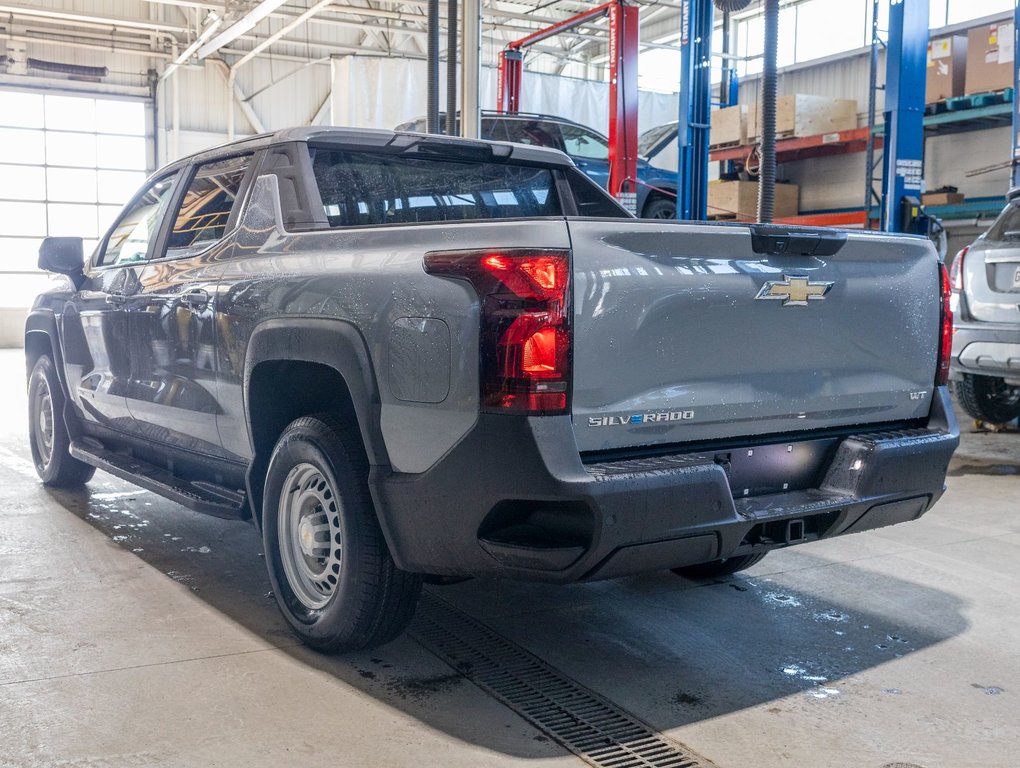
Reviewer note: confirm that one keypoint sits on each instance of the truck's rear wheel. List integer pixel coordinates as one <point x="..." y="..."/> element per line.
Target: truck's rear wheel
<point x="719" y="567"/>
<point x="47" y="432"/>
<point x="331" y="571"/>
<point x="988" y="398"/>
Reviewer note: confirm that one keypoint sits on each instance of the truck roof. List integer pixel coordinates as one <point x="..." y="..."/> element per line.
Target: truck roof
<point x="375" y="138"/>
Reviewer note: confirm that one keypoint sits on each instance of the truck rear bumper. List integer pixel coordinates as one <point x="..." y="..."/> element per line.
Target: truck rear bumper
<point x="986" y="349"/>
<point x="514" y="499"/>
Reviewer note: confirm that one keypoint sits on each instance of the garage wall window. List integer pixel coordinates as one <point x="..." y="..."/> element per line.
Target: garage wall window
<point x="67" y="165"/>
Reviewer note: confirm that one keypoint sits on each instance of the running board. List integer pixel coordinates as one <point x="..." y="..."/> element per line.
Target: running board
<point x="208" y="498"/>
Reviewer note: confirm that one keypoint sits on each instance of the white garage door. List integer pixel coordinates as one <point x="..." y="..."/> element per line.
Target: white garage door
<point x="67" y="165"/>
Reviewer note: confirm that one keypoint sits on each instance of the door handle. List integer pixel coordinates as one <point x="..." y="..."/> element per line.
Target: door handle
<point x="116" y="299"/>
<point x="196" y="298"/>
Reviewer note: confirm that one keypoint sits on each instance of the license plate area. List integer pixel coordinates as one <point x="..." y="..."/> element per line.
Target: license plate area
<point x="1005" y="277"/>
<point x="777" y="467"/>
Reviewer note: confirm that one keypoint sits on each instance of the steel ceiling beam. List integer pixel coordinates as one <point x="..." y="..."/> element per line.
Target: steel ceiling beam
<point x="240" y="26"/>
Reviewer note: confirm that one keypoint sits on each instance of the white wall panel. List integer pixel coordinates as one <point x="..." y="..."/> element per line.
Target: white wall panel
<point x="843" y="78"/>
<point x="370" y="92"/>
<point x="948" y="158"/>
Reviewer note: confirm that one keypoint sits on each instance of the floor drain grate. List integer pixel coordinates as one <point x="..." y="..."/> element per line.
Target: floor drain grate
<point x="590" y="726"/>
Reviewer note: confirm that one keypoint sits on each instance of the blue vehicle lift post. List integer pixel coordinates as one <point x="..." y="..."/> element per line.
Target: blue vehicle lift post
<point x="695" y="105"/>
<point x="903" y="156"/>
<point x="1015" y="175"/>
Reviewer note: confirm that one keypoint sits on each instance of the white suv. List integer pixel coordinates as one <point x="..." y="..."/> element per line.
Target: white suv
<point x="985" y="279"/>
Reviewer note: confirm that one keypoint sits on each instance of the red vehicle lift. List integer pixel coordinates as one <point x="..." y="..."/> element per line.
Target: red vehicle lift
<point x="623" y="95"/>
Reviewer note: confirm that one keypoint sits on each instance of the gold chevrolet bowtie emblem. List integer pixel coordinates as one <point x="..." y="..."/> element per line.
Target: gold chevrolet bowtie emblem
<point x="794" y="291"/>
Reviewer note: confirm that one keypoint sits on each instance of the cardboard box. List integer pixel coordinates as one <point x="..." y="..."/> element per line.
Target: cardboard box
<point x="947" y="61"/>
<point x="989" y="58"/>
<point x="729" y="126"/>
<point x="740" y="199"/>
<point x="942" y="198"/>
<point x="804" y="115"/>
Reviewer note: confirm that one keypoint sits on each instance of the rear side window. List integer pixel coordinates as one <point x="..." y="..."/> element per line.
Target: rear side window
<point x="1007" y="226"/>
<point x="591" y="199"/>
<point x="205" y="209"/>
<point x="365" y="188"/>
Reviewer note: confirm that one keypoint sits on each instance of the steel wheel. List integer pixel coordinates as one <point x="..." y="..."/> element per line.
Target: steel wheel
<point x="332" y="574"/>
<point x="48" y="438"/>
<point x="42" y="410"/>
<point x="660" y="208"/>
<point x="311" y="543"/>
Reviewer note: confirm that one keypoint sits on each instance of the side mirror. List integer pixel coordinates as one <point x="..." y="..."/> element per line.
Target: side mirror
<point x="63" y="255"/>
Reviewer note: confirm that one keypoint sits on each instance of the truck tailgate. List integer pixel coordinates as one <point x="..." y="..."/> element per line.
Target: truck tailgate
<point x="683" y="333"/>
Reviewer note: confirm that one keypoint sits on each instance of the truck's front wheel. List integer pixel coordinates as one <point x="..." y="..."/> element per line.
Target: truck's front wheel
<point x="988" y="398"/>
<point x="47" y="432"/>
<point x="331" y="571"/>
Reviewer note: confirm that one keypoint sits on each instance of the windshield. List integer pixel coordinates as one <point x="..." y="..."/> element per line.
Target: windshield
<point x="1007" y="226"/>
<point x="652" y="137"/>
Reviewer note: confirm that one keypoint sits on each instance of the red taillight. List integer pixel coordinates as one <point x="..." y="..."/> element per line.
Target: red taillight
<point x="525" y="334"/>
<point x="946" y="338"/>
<point x="956" y="271"/>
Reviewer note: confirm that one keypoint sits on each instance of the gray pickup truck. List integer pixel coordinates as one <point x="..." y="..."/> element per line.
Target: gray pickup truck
<point x="409" y="358"/>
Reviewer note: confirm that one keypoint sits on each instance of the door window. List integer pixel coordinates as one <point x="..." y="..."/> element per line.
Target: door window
<point x="580" y="142"/>
<point x="134" y="231"/>
<point x="204" y="214"/>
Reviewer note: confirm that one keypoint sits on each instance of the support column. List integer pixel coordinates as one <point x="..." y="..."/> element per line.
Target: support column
<point x="623" y="103"/>
<point x="695" y="104"/>
<point x="508" y="85"/>
<point x="905" y="71"/>
<point x="1015" y="175"/>
<point x="471" y="58"/>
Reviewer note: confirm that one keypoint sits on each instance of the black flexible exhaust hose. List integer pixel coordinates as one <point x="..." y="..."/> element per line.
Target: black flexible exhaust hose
<point x="769" y="86"/>
<point x="731" y="6"/>
<point x="451" y="68"/>
<point x="432" y="54"/>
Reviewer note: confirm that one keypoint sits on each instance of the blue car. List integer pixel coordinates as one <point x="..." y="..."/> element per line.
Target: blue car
<point x="656" y="193"/>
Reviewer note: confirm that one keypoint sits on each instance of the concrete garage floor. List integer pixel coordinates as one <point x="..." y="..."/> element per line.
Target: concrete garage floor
<point x="134" y="632"/>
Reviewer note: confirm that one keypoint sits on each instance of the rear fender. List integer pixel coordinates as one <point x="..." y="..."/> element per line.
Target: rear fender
<point x="323" y="341"/>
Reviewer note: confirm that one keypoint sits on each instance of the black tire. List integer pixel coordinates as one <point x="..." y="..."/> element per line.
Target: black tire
<point x="719" y="567"/>
<point x="660" y="208"/>
<point x="988" y="398"/>
<point x="332" y="574"/>
<point x="47" y="432"/>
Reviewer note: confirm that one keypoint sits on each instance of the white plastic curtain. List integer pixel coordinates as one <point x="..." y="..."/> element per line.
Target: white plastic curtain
<point x="377" y="92"/>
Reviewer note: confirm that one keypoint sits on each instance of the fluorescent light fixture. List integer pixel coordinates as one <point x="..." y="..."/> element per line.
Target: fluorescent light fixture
<point x="244" y="24"/>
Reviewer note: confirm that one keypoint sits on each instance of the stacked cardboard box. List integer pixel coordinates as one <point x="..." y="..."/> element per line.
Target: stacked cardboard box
<point x="947" y="59"/>
<point x="989" y="58"/>
<point x="942" y="198"/>
<point x="804" y="115"/>
<point x="739" y="199"/>
<point x="729" y="126"/>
